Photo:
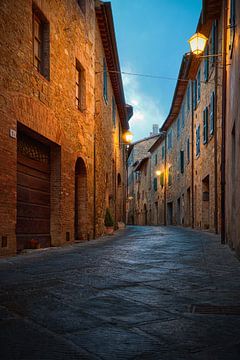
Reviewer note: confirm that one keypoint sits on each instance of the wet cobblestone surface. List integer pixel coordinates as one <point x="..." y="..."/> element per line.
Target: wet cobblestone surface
<point x="128" y="296"/>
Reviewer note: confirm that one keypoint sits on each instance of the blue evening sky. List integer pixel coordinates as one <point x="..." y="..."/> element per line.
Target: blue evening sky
<point x="152" y="38"/>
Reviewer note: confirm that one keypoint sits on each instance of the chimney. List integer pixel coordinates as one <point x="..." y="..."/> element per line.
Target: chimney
<point x="155" y="130"/>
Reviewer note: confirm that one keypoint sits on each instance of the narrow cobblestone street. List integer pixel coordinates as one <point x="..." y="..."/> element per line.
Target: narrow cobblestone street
<point x="129" y="296"/>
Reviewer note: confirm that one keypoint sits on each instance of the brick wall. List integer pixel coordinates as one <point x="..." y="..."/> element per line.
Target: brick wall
<point x="46" y="109"/>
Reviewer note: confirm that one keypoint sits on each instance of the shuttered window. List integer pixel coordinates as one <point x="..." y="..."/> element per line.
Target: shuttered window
<point x="169" y="138"/>
<point x="206" y="65"/>
<point x="205" y="125"/>
<point x="163" y="152"/>
<point x="105" y="81"/>
<point x="198" y="140"/>
<point x="41" y="43"/>
<point x="183" y="115"/>
<point x="212" y="113"/>
<point x="188" y="150"/>
<point x="155" y="184"/>
<point x="182" y="161"/>
<point x="188" y="96"/>
<point x="213" y="43"/>
<point x="178" y="127"/>
<point x="162" y="179"/>
<point x="113" y="111"/>
<point x="232" y="23"/>
<point x="199" y="85"/>
<point x="194" y="94"/>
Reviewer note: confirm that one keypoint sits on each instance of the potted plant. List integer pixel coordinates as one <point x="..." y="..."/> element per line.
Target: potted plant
<point x="109" y="223"/>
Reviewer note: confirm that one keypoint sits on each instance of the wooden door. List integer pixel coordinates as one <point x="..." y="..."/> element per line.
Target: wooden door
<point x="33" y="194"/>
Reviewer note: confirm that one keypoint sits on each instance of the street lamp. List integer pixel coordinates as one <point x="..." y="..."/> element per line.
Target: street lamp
<point x="197" y="43"/>
<point x="127" y="137"/>
<point x="158" y="172"/>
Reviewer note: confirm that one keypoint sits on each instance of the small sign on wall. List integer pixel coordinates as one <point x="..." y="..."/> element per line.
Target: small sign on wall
<point x="13" y="133"/>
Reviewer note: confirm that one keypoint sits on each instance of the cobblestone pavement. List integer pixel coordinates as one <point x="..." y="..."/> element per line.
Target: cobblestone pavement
<point x="135" y="295"/>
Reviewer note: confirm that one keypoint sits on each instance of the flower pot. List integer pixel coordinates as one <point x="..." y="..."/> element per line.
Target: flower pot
<point x="109" y="230"/>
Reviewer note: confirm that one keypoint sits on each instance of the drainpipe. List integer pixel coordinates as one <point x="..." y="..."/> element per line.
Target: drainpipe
<point x="216" y="134"/>
<point x="224" y="76"/>
<point x="192" y="130"/>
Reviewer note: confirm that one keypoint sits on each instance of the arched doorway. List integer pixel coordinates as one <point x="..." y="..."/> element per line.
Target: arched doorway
<point x="80" y="219"/>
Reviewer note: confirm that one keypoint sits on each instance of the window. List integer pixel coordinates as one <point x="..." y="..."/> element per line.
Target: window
<point x="155" y="184"/>
<point x="198" y="140"/>
<point x="232" y="24"/>
<point x="170" y="176"/>
<point x="41" y="43"/>
<point x="194" y="94"/>
<point x="213" y="43"/>
<point x="113" y="111"/>
<point x="206" y="65"/>
<point x="188" y="150"/>
<point x="188" y="97"/>
<point x="162" y="179"/>
<point x="178" y="127"/>
<point x="105" y="81"/>
<point x="163" y="152"/>
<point x="205" y="125"/>
<point x="182" y="161"/>
<point x="199" y="85"/>
<point x="169" y="139"/>
<point x="212" y="113"/>
<point x="82" y="5"/>
<point x="183" y="115"/>
<point x="156" y="159"/>
<point x="79" y="86"/>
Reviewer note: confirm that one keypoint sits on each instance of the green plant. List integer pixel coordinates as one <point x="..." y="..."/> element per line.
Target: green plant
<point x="108" y="219"/>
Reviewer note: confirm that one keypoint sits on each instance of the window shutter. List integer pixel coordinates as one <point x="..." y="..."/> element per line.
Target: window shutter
<point x="195" y="94"/>
<point x="188" y="96"/>
<point x="170" y="176"/>
<point x="155" y="184"/>
<point x="199" y="85"/>
<point x="213" y="48"/>
<point x="198" y="140"/>
<point x="212" y="112"/>
<point x="178" y="127"/>
<point x="183" y="115"/>
<point x="232" y="24"/>
<point x="188" y="149"/>
<point x="105" y="84"/>
<point x="205" y="126"/>
<point x="206" y="65"/>
<point x="182" y="161"/>
<point x="162" y="179"/>
<point x="163" y="152"/>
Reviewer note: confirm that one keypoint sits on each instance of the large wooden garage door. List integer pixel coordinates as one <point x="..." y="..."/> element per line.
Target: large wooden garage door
<point x="33" y="193"/>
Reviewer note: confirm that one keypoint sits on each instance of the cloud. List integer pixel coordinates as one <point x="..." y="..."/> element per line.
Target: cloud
<point x="146" y="109"/>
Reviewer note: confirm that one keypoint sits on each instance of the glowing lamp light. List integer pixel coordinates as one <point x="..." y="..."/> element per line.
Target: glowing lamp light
<point x="197" y="43"/>
<point x="158" y="172"/>
<point x="127" y="137"/>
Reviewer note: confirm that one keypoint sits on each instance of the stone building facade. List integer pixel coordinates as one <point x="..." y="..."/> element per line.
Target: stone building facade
<point x="136" y="152"/>
<point x="53" y="122"/>
<point x="185" y="161"/>
<point x="157" y="176"/>
<point x="231" y="123"/>
<point x="143" y="210"/>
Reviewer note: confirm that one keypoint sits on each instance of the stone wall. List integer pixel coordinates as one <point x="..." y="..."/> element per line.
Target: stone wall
<point x="232" y="193"/>
<point x="46" y="110"/>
